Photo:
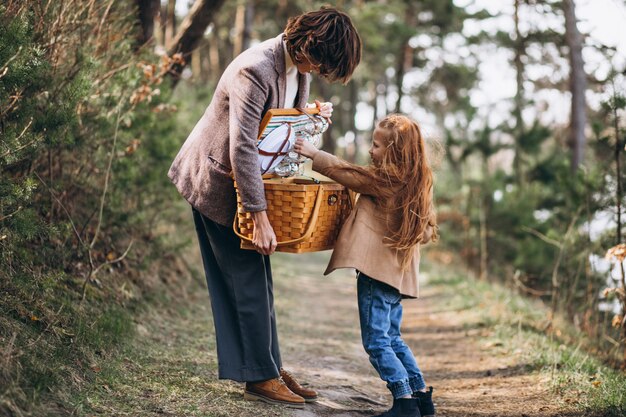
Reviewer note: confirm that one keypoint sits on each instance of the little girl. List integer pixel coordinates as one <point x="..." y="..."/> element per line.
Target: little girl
<point x="381" y="240"/>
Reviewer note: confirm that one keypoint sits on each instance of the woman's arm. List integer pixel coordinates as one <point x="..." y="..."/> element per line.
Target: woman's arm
<point x="247" y="96"/>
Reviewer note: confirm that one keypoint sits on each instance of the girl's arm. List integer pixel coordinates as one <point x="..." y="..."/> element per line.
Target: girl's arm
<point x="334" y="168"/>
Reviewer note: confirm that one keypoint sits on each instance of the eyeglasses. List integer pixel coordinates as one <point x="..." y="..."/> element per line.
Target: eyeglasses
<point x="319" y="68"/>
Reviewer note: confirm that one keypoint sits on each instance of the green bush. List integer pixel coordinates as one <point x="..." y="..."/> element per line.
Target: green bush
<point x="85" y="143"/>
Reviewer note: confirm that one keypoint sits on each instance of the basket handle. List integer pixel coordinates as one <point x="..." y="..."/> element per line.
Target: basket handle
<point x="309" y="227"/>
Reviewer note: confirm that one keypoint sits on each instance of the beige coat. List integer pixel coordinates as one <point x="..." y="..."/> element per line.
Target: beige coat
<point x="360" y="243"/>
<point x="224" y="139"/>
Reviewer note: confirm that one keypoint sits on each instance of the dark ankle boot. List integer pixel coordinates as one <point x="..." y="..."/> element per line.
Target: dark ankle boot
<point x="403" y="407"/>
<point x="407" y="407"/>
<point x="426" y="406"/>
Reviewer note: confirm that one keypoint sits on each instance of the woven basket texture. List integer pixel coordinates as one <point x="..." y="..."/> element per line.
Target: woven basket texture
<point x="290" y="206"/>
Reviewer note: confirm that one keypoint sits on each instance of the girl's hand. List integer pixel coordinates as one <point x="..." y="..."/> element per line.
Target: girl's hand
<point x="326" y="109"/>
<point x="305" y="148"/>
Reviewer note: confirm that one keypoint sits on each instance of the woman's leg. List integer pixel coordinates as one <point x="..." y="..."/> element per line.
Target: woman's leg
<point x="240" y="287"/>
<point x="375" y="301"/>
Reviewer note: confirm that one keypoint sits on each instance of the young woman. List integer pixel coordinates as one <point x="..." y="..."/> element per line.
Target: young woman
<point x="273" y="74"/>
<point x="380" y="239"/>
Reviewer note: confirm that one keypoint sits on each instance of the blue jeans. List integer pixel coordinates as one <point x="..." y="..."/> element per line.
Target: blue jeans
<point x="380" y="313"/>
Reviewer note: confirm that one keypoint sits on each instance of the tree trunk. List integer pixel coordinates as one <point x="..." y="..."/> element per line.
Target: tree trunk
<point x="578" y="84"/>
<point x="405" y="55"/>
<point x="345" y="125"/>
<point x="483" y="218"/>
<point x="374" y="96"/>
<point x="214" y="52"/>
<point x="404" y="61"/>
<point x="196" y="63"/>
<point x="519" y="50"/>
<point x="243" y="24"/>
<point x="192" y="30"/>
<point x="353" y="87"/>
<point x="169" y="22"/>
<point x="618" y="171"/>
<point x="328" y="139"/>
<point x="147" y="11"/>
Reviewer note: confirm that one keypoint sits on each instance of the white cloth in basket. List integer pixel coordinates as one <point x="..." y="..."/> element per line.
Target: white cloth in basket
<point x="275" y="146"/>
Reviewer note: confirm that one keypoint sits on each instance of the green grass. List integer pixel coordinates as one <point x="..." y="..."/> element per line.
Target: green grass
<point x="169" y="368"/>
<point x="51" y="343"/>
<point x="520" y="326"/>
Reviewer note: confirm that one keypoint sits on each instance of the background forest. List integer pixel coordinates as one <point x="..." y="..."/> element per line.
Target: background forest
<point x="96" y="98"/>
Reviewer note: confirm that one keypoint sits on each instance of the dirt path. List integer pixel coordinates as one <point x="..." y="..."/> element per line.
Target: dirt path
<point x="471" y="376"/>
<point x="171" y="369"/>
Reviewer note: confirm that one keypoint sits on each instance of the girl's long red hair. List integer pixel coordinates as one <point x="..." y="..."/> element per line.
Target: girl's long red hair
<point x="403" y="183"/>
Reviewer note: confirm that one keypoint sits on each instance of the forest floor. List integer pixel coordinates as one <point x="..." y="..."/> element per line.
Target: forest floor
<point x="170" y="368"/>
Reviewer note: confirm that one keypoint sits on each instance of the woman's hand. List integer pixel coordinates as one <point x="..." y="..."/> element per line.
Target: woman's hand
<point x="305" y="148"/>
<point x="326" y="109"/>
<point x="263" y="237"/>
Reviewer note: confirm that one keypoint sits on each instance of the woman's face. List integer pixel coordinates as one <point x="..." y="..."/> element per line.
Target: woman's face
<point x="378" y="147"/>
<point x="306" y="66"/>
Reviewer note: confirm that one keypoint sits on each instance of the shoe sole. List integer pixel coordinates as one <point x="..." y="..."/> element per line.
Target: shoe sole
<point x="310" y="400"/>
<point x="256" y="397"/>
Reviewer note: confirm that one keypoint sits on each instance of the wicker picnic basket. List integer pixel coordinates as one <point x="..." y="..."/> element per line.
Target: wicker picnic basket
<point x="306" y="215"/>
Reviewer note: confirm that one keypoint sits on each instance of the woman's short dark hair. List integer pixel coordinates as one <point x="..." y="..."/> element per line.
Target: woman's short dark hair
<point x="327" y="38"/>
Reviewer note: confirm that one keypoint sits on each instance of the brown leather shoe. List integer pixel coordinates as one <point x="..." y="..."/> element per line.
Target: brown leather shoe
<point x="309" y="395"/>
<point x="273" y="391"/>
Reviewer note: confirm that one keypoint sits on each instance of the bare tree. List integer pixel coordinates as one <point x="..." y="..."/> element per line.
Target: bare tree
<point x="192" y="30"/>
<point x="578" y="84"/>
<point x="147" y="11"/>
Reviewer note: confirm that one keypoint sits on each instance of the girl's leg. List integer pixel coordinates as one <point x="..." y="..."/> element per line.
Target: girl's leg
<point x="375" y="301"/>
<point x="404" y="354"/>
<point x="402" y="351"/>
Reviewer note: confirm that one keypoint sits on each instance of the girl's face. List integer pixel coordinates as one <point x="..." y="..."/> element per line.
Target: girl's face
<point x="378" y="146"/>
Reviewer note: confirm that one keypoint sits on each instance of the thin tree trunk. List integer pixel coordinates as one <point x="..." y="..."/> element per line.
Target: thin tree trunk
<point x="520" y="51"/>
<point x="328" y="140"/>
<point x="243" y="23"/>
<point x="196" y="63"/>
<point x="345" y="125"/>
<point x="192" y="29"/>
<point x="214" y="52"/>
<point x="578" y="84"/>
<point x="379" y="85"/>
<point x="618" y="173"/>
<point x="170" y="21"/>
<point x="483" y="234"/>
<point x="147" y="11"/>
<point x="373" y="96"/>
<point x="205" y="63"/>
<point x="405" y="55"/>
<point x="358" y="139"/>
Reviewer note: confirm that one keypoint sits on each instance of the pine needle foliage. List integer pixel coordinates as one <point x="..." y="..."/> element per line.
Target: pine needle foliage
<point x="85" y="130"/>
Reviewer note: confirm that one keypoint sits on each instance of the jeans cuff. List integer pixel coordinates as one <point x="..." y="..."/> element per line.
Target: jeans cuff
<point x="400" y="389"/>
<point x="417" y="383"/>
